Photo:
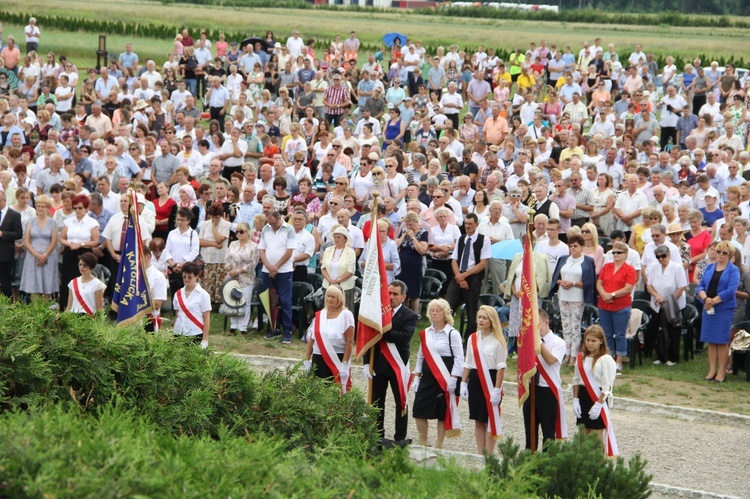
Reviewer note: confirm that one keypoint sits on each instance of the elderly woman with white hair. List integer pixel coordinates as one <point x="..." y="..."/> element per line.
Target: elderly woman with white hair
<point x="442" y="239"/>
<point x="241" y="260"/>
<point x="440" y="363"/>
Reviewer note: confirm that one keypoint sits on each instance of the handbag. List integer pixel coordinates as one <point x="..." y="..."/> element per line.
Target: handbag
<point x="231" y="311"/>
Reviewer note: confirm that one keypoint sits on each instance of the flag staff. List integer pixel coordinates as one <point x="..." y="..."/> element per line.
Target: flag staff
<point x="532" y="391"/>
<point x="373" y="221"/>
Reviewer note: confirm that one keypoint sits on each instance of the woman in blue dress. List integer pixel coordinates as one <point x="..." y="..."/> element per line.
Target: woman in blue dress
<point x="412" y="246"/>
<point x="394" y="128"/>
<point x="717" y="290"/>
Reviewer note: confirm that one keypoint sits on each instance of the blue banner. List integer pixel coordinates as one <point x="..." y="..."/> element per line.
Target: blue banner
<point x="132" y="295"/>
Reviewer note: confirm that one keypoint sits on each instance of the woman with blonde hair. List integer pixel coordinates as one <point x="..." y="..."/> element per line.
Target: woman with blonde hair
<point x="440" y="363"/>
<point x="591" y="245"/>
<point x="482" y="379"/>
<point x="330" y="340"/>
<point x="641" y="234"/>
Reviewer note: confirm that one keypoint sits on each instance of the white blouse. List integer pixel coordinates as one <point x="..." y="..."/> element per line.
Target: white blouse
<point x="197" y="302"/>
<point x="571" y="271"/>
<point x="333" y="330"/>
<point x="79" y="231"/>
<point x="604" y="374"/>
<point x="495" y="353"/>
<point x="88" y="293"/>
<point x="447" y="237"/>
<point x="444" y="341"/>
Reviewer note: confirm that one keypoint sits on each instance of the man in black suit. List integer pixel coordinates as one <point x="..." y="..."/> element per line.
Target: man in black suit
<point x="10" y="230"/>
<point x="402" y="329"/>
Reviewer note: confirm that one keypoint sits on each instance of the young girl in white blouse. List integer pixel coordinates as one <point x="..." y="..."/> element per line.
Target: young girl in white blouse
<point x="594" y="373"/>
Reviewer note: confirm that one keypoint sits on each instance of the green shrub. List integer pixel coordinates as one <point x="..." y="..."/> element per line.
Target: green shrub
<point x="47" y="357"/>
<point x="59" y="453"/>
<point x="573" y="469"/>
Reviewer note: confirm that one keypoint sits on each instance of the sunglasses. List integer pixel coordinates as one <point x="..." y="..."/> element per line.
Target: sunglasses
<point x="336" y="147"/>
<point x="438" y="197"/>
<point x="339" y="183"/>
<point x="240" y="231"/>
<point x="662" y="256"/>
<point x="725" y="253"/>
<point x="618" y="252"/>
<point x="585" y="231"/>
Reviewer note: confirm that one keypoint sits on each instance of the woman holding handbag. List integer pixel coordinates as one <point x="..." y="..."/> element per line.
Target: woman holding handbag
<point x="241" y="260"/>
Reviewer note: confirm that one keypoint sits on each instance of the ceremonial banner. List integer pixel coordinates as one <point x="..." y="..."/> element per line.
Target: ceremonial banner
<point x="529" y="344"/>
<point x="375" y="314"/>
<point x="132" y="295"/>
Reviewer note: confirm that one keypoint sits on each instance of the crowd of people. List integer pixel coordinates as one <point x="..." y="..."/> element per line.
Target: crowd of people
<point x="259" y="163"/>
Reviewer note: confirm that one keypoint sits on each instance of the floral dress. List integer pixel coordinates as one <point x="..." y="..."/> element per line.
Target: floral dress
<point x="245" y="258"/>
<point x="256" y="88"/>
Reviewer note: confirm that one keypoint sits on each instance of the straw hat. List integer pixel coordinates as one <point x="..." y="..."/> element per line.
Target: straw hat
<point x="140" y="104"/>
<point x="675" y="228"/>
<point x="231" y="294"/>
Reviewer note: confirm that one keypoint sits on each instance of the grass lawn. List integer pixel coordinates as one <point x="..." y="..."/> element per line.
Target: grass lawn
<point x="687" y="42"/>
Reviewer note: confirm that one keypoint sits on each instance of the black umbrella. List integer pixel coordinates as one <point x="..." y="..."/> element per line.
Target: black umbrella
<point x="253" y="40"/>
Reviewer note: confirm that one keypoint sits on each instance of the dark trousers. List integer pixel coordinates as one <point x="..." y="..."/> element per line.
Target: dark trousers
<point x="667" y="338"/>
<point x="455" y="296"/>
<point x="113" y="266"/>
<point x="283" y="284"/>
<point x="379" y="388"/>
<point x="69" y="271"/>
<point x="454" y="120"/>
<point x="300" y="273"/>
<point x="334" y="119"/>
<point x="6" y="276"/>
<point x="668" y="132"/>
<point x="578" y="222"/>
<point x="216" y="115"/>
<point x="546" y="416"/>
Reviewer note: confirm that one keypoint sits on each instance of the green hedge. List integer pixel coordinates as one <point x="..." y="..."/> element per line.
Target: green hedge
<point x="47" y="358"/>
<point x="58" y="453"/>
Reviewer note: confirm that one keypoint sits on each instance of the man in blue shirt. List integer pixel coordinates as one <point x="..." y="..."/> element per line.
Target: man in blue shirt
<point x="306" y="73"/>
<point x="127" y="59"/>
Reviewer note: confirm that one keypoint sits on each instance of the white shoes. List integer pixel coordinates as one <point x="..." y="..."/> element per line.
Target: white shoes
<point x="670" y="363"/>
<point x="657" y="362"/>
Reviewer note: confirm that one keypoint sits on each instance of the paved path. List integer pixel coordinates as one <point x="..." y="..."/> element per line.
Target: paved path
<point x="692" y="449"/>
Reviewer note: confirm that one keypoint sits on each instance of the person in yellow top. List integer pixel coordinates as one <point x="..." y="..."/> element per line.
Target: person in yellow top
<point x="516" y="59"/>
<point x="525" y="80"/>
<point x="502" y="74"/>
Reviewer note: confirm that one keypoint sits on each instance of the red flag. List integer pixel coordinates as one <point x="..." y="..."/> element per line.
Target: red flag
<point x="375" y="314"/>
<point x="528" y="334"/>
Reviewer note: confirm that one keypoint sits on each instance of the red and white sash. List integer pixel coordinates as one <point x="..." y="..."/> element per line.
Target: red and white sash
<point x="184" y="309"/>
<point x="403" y="373"/>
<point x="156" y="320"/>
<point x="485" y="380"/>
<point x="552" y="378"/>
<point x="330" y="357"/>
<point x="441" y="375"/>
<point x="86" y="307"/>
<point x="594" y="392"/>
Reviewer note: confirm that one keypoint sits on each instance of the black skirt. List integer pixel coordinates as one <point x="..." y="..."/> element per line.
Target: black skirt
<point x="586" y="405"/>
<point x="320" y="368"/>
<point x="429" y="402"/>
<point x="477" y="402"/>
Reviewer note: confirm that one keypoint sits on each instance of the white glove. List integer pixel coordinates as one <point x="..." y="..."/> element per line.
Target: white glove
<point x="595" y="411"/>
<point x="415" y="384"/>
<point x="464" y="391"/>
<point x="366" y="372"/>
<point x="577" y="408"/>
<point x="496" y="396"/>
<point x="307" y="365"/>
<point x="451" y="385"/>
<point x="344" y="377"/>
<point x="204" y="344"/>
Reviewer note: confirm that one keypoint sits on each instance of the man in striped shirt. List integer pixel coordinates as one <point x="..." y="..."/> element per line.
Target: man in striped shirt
<point x="336" y="100"/>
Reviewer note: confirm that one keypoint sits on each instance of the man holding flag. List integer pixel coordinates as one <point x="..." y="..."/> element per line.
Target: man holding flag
<point x="131" y="299"/>
<point x="391" y="362"/>
<point x="528" y="333"/>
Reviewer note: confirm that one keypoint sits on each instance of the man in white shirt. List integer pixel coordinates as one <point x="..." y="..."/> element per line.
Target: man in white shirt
<point x="553" y="248"/>
<point x="452" y="103"/>
<point x="295" y="44"/>
<point x="367" y="118"/>
<point x="629" y="205"/>
<point x="277" y="243"/>
<point x="305" y="247"/>
<point x="672" y="106"/>
<point x="496" y="229"/>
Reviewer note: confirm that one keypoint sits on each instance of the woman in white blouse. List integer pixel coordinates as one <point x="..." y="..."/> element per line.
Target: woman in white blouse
<point x="495" y="353"/>
<point x="338" y="264"/>
<point x="86" y="292"/>
<point x="337" y="325"/>
<point x="665" y="278"/>
<point x="183" y="245"/>
<point x="79" y="235"/>
<point x="442" y="239"/>
<point x="429" y="400"/>
<point x="192" y="307"/>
